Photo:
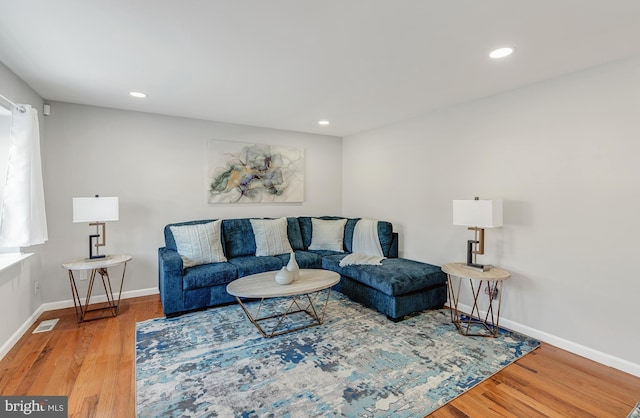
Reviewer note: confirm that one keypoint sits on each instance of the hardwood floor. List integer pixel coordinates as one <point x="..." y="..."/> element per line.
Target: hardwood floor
<point x="94" y="364"/>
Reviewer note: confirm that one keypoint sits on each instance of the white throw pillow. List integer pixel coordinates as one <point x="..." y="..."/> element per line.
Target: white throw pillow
<point x="271" y="236"/>
<point x="327" y="235"/>
<point x="199" y="244"/>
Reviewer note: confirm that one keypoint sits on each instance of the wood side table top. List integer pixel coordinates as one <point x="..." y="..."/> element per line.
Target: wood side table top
<point x="96" y="263"/>
<point x="459" y="270"/>
<point x="263" y="285"/>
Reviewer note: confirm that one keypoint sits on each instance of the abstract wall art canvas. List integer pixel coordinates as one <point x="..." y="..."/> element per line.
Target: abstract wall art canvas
<point x="254" y="173"/>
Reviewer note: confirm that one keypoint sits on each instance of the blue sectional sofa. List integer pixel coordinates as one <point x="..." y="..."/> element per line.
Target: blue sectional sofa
<point x="396" y="288"/>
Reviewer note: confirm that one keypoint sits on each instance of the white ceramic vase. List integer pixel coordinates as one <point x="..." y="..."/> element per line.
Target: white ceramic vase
<point x="284" y="276"/>
<point x="292" y="266"/>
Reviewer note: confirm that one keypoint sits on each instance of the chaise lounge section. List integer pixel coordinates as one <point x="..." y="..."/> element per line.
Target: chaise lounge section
<point x="396" y="288"/>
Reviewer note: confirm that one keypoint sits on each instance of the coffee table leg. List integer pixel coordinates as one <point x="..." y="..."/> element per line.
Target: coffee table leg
<point x="314" y="311"/>
<point x="313" y="314"/>
<point x="250" y="317"/>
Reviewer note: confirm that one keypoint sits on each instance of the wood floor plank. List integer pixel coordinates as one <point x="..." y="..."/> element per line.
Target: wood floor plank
<point x="552" y="404"/>
<point x="94" y="364"/>
<point x="545" y="392"/>
<point x="568" y="390"/>
<point x="584" y="387"/>
<point x="504" y="393"/>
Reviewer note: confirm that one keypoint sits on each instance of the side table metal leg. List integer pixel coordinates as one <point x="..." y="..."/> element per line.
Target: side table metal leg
<point x="450" y="297"/>
<point x="475" y="309"/>
<point x="124" y="270"/>
<point x="454" y="297"/>
<point x="496" y="324"/>
<point x="77" y="303"/>
<point x="92" y="277"/>
<point x="489" y="318"/>
<point x="106" y="284"/>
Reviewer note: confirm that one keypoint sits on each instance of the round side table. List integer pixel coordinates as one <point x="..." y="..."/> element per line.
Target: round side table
<point x="492" y="281"/>
<point x="99" y="266"/>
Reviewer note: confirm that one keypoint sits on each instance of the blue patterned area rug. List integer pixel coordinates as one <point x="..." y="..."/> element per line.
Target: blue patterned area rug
<point x="357" y="364"/>
<point x="636" y="412"/>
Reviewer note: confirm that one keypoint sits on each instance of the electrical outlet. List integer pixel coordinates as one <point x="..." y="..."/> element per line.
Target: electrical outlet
<point x="36" y="288"/>
<point x="83" y="275"/>
<point x="492" y="291"/>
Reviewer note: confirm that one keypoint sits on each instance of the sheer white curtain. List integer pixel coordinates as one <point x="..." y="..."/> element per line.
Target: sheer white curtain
<point x="22" y="215"/>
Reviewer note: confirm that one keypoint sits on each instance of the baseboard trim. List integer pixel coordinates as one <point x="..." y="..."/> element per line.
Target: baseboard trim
<point x="51" y="306"/>
<point x="573" y="347"/>
<point x="8" y="345"/>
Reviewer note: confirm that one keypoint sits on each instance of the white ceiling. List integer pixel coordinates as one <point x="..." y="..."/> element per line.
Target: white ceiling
<point x="288" y="63"/>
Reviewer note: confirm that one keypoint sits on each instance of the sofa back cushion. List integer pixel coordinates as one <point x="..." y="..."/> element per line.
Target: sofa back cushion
<point x="295" y="235"/>
<point x="238" y="238"/>
<point x="385" y="232"/>
<point x="169" y="240"/>
<point x="271" y="236"/>
<point x="327" y="234"/>
<point x="306" y="228"/>
<point x="199" y="244"/>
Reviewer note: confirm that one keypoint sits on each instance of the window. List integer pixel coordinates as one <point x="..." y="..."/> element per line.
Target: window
<point x="5" y="126"/>
<point x="23" y="220"/>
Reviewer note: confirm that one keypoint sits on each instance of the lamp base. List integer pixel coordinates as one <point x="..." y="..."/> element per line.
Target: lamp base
<point x="477" y="267"/>
<point x="471" y="265"/>
<point x="100" y="257"/>
<point x="95" y="237"/>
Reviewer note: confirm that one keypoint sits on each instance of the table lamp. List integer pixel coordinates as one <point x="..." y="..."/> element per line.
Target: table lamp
<point x="477" y="214"/>
<point x="96" y="210"/>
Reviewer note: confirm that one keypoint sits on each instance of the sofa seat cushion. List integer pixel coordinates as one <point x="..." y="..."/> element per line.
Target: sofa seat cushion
<point x="305" y="259"/>
<point x="252" y="264"/>
<point x="396" y="276"/>
<point x="207" y="275"/>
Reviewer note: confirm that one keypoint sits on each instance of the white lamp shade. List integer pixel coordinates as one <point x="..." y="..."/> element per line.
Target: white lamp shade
<point x="92" y="209"/>
<point x="479" y="213"/>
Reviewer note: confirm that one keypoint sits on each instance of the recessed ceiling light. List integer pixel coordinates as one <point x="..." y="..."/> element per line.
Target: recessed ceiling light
<point x="501" y="52"/>
<point x="323" y="122"/>
<point x="137" y="94"/>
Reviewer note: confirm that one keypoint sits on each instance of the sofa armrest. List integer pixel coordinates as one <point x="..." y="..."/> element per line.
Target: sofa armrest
<point x="170" y="280"/>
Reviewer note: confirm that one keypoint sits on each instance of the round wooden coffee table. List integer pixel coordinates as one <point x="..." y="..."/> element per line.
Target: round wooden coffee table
<point x="305" y="290"/>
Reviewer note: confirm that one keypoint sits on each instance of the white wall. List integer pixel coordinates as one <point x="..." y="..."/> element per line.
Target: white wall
<point x="18" y="302"/>
<point x="563" y="155"/>
<point x="156" y="165"/>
